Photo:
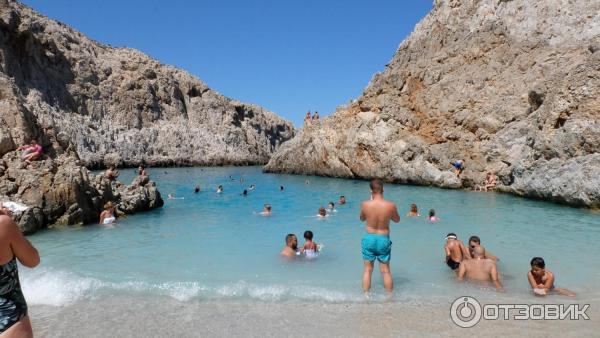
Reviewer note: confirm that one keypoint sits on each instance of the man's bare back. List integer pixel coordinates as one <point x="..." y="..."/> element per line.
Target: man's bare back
<point x="377" y="213"/>
<point x="479" y="269"/>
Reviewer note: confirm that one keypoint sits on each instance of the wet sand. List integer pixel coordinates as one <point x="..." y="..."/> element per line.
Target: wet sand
<point x="167" y="317"/>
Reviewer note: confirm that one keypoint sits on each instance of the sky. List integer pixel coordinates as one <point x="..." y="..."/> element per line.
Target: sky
<point x="289" y="56"/>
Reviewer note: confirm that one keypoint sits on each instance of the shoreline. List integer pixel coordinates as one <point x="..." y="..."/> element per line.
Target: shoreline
<point x="160" y="316"/>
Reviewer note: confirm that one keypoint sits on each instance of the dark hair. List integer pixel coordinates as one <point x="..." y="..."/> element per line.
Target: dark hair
<point x="538" y="262"/>
<point x="268" y="207"/>
<point x="245" y="192"/>
<point x="289" y="237"/>
<point x="342" y="196"/>
<point x="413" y="208"/>
<point x="451" y="234"/>
<point x="376" y="186"/>
<point x="331" y="202"/>
<point x="308" y="235"/>
<point x="431" y="212"/>
<point x="475" y="239"/>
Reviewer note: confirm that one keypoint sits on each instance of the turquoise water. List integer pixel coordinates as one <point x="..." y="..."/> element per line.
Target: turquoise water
<point x="213" y="246"/>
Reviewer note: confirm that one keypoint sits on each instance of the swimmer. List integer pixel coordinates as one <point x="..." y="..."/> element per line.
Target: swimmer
<point x="291" y="246"/>
<point x="432" y="217"/>
<point x="456" y="251"/>
<point x="107" y="217"/>
<point x="251" y="187"/>
<point x="281" y="188"/>
<point x="322" y="212"/>
<point x="266" y="210"/>
<point x="474" y="242"/>
<point x="342" y="200"/>
<point x="331" y="207"/>
<point x="197" y="189"/>
<point x="307" y="182"/>
<point x="172" y="197"/>
<point x="219" y="189"/>
<point x="245" y="193"/>
<point x="542" y="280"/>
<point x="479" y="269"/>
<point x="414" y="212"/>
<point x="310" y="248"/>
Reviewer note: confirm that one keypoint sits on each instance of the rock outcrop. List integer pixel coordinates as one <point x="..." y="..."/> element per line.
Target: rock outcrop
<point x="117" y="105"/>
<point x="62" y="192"/>
<point x="512" y="87"/>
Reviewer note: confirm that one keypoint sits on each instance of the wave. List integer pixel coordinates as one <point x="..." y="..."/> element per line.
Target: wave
<point x="60" y="288"/>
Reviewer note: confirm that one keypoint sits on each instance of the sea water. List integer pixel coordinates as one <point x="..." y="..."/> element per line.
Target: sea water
<point x="210" y="246"/>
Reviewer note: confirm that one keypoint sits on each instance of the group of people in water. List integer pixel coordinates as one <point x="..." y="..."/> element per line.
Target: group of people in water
<point x="473" y="263"/>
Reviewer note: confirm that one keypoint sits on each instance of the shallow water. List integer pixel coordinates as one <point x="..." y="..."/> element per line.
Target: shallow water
<point x="210" y="246"/>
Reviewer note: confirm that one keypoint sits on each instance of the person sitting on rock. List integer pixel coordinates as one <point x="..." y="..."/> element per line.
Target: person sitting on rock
<point x="142" y="170"/>
<point x="107" y="217"/>
<point x="111" y="174"/>
<point x="459" y="166"/>
<point x="31" y="151"/>
<point x="490" y="181"/>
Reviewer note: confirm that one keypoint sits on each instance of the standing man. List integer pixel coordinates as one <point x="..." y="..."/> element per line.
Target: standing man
<point x="376" y="244"/>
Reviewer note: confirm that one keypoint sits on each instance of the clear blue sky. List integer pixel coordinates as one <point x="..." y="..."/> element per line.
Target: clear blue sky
<point x="287" y="56"/>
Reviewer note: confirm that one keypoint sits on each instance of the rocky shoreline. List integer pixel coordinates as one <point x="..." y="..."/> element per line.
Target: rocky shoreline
<point x="62" y="192"/>
<point x="512" y="87"/>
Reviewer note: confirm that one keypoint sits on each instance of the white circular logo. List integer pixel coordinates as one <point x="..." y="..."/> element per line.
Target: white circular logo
<point x="465" y="312"/>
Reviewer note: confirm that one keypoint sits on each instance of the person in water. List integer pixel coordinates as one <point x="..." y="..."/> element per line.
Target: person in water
<point x="414" y="211"/>
<point x="475" y="242"/>
<point x="376" y="244"/>
<point x="432" y="217"/>
<point x="281" y="188"/>
<point x="542" y="280"/>
<point x="455" y="250"/>
<point x="342" y="200"/>
<point x="219" y="189"/>
<point x="459" y="166"/>
<point x="479" y="269"/>
<point x="14" y="319"/>
<point x="107" y="216"/>
<point x="331" y="207"/>
<point x="197" y="189"/>
<point x="310" y="248"/>
<point x="322" y="212"/>
<point x="251" y="187"/>
<point x="291" y="246"/>
<point x="142" y="170"/>
<point x="245" y="193"/>
<point x="266" y="210"/>
<point x="111" y="173"/>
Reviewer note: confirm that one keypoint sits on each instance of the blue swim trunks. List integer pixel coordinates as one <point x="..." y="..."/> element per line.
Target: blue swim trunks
<point x="375" y="246"/>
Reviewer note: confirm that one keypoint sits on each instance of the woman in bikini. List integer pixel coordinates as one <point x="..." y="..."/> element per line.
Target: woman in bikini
<point x="14" y="321"/>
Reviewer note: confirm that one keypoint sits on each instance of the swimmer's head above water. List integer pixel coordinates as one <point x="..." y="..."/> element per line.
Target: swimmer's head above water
<point x="291" y="241"/>
<point x="322" y="212"/>
<point x="331" y="205"/>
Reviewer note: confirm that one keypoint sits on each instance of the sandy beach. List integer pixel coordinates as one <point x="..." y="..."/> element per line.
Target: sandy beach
<point x="166" y="317"/>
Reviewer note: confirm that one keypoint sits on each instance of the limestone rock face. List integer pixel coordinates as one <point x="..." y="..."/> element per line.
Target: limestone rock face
<point x="62" y="192"/>
<point x="117" y="105"/>
<point x="512" y="87"/>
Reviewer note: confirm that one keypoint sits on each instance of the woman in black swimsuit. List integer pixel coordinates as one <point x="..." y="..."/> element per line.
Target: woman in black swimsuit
<point x="14" y="321"/>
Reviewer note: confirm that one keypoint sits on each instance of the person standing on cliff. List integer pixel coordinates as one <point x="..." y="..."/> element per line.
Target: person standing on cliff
<point x="459" y="166"/>
<point x="316" y="115"/>
<point x="14" y="318"/>
<point x="376" y="244"/>
<point x="307" y="117"/>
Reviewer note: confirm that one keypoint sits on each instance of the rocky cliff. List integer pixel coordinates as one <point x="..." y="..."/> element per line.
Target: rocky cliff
<point x="117" y="105"/>
<point x="511" y="86"/>
<point x="60" y="191"/>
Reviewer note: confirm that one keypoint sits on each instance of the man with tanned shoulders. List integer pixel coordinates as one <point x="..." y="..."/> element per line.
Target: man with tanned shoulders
<point x="291" y="246"/>
<point x="455" y="250"/>
<point x="376" y="244"/>
<point x="479" y="269"/>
